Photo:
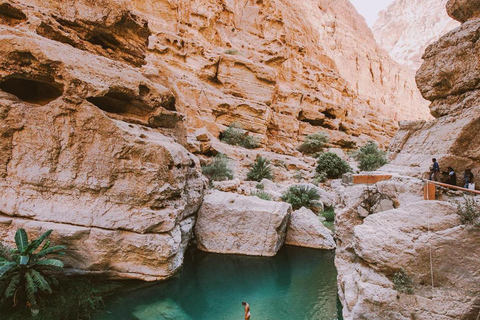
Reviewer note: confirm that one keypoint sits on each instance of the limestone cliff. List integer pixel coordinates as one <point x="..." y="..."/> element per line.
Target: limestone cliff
<point x="407" y="27"/>
<point x="99" y="99"/>
<point x="449" y="78"/>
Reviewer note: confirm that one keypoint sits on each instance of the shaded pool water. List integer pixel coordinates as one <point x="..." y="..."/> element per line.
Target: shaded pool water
<point x="297" y="284"/>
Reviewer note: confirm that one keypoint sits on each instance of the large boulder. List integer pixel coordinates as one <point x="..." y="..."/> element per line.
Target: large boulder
<point x="306" y="230"/>
<point x="236" y="224"/>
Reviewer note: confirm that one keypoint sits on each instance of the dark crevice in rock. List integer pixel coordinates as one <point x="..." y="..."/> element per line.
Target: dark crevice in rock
<point x="32" y="91"/>
<point x="121" y="102"/>
<point x="10" y="15"/>
<point x="125" y="40"/>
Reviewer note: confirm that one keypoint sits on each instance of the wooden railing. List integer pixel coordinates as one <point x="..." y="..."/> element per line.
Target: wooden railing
<point x="429" y="189"/>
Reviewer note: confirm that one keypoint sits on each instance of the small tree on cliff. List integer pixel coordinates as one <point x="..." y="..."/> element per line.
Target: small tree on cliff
<point x="332" y="165"/>
<point x="24" y="270"/>
<point x="260" y="169"/>
<point x="314" y="143"/>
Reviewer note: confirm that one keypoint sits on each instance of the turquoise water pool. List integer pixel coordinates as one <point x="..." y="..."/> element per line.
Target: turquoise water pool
<point x="296" y="284"/>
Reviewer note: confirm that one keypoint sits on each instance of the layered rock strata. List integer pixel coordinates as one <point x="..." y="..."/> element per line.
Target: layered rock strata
<point x="450" y="79"/>
<point x="90" y="148"/>
<point x="406" y="28"/>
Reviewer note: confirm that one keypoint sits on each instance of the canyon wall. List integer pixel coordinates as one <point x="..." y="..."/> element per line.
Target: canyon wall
<point x="450" y="79"/>
<point x="407" y="27"/>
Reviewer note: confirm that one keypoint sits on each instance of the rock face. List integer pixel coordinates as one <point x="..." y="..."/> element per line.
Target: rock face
<point x="282" y="69"/>
<point x="235" y="224"/>
<point x="407" y="27"/>
<point x="405" y="239"/>
<point x="449" y="78"/>
<point x="90" y="148"/>
<point x="306" y="230"/>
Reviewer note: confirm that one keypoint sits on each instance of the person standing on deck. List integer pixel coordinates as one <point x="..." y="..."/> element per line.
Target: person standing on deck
<point x="434" y="170"/>
<point x="247" y="310"/>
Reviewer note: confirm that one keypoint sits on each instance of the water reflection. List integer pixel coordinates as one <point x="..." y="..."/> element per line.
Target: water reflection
<point x="296" y="284"/>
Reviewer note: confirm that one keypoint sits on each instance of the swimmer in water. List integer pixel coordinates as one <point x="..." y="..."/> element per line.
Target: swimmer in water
<point x="247" y="310"/>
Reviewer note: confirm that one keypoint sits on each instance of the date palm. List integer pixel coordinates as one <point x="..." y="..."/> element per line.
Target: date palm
<point x="23" y="270"/>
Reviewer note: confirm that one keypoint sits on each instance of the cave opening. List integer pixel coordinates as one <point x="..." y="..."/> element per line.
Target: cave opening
<point x="32" y="91"/>
<point x="122" y="103"/>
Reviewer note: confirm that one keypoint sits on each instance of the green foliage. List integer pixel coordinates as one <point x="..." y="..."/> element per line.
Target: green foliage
<point x="298" y="176"/>
<point x="260" y="169"/>
<point x="329" y="214"/>
<point x="262" y="195"/>
<point x="260" y="186"/>
<point x="314" y="143"/>
<point x="219" y="169"/>
<point x="24" y="270"/>
<point x="320" y="177"/>
<point x="231" y="51"/>
<point x="469" y="212"/>
<point x="74" y="299"/>
<point x="234" y="135"/>
<point x="402" y="282"/>
<point x="370" y="157"/>
<point x="300" y="196"/>
<point x="332" y="165"/>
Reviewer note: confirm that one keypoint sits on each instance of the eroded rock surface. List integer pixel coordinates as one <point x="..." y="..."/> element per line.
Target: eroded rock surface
<point x="407" y="27"/>
<point x="449" y="78"/>
<point x="90" y="148"/>
<point x="236" y="224"/>
<point x="306" y="230"/>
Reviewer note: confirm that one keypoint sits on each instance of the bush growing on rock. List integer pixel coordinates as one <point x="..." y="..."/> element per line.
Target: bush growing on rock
<point x="234" y="135"/>
<point x="260" y="169"/>
<point x="219" y="169"/>
<point x="262" y="195"/>
<point x="320" y="177"/>
<point x="329" y="214"/>
<point x="23" y="270"/>
<point x="314" y="143"/>
<point x="469" y="212"/>
<point x="370" y="158"/>
<point x="402" y="282"/>
<point x="300" y="196"/>
<point x="332" y="165"/>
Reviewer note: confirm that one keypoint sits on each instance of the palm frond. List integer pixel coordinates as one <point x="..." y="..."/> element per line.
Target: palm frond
<point x="12" y="286"/>
<point x="6" y="268"/>
<point x="46" y="245"/>
<point x="21" y="239"/>
<point x="50" y="250"/>
<point x="30" y="285"/>
<point x="23" y="260"/>
<point x="32" y="246"/>
<point x="50" y="263"/>
<point x="40" y="281"/>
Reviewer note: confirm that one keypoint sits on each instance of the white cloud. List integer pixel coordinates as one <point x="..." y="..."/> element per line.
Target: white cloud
<point x="370" y="8"/>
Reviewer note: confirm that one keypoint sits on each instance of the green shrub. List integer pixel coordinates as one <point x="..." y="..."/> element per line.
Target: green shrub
<point x="231" y="51"/>
<point x="320" y="177"/>
<point x="219" y="169"/>
<point x="314" y="143"/>
<point x="329" y="214"/>
<point x="24" y="270"/>
<point x="402" y="282"/>
<point x="469" y="212"/>
<point x="74" y="299"/>
<point x="260" y="169"/>
<point x="300" y="196"/>
<point x="332" y="165"/>
<point x="370" y="158"/>
<point x="234" y="135"/>
<point x="260" y="186"/>
<point x="262" y="195"/>
<point x="298" y="175"/>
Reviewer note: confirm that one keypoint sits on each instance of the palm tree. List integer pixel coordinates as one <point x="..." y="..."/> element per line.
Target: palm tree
<point x="23" y="270"/>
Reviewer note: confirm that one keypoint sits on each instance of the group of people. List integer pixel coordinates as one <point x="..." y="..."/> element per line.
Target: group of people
<point x="452" y="176"/>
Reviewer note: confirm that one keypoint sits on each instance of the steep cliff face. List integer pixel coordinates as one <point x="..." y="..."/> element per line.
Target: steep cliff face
<point x="407" y="27"/>
<point x="449" y="78"/>
<point x="424" y="241"/>
<point x="88" y="149"/>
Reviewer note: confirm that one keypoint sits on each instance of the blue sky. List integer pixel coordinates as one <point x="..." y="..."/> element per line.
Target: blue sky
<point x="370" y="8"/>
